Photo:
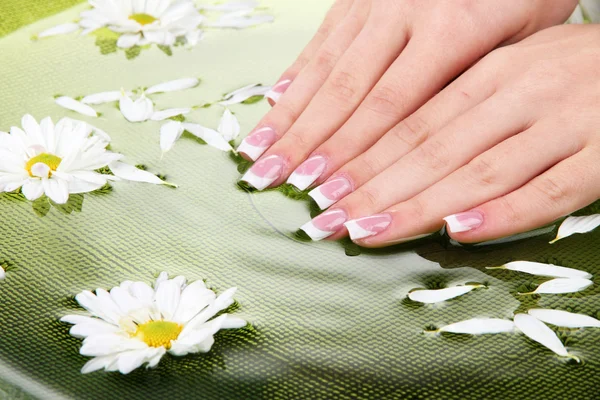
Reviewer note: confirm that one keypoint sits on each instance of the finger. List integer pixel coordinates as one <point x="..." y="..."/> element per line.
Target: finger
<point x="356" y="73"/>
<point x="567" y="187"/>
<point x="276" y="122"/>
<point x="425" y="66"/>
<point x="334" y="16"/>
<point x="469" y="90"/>
<point x="495" y="173"/>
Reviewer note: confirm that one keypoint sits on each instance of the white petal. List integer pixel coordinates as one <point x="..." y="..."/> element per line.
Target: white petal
<point x="592" y="10"/>
<point x="130" y="360"/>
<point x="194" y="298"/>
<point x="172" y="86"/>
<point x="154" y="360"/>
<point x="139" y="110"/>
<point x="96" y="327"/>
<point x="211" y="137"/>
<point x="244" y="94"/>
<point x="537" y="331"/>
<point x="167" y="298"/>
<point x="33" y="189"/>
<point x="142" y="292"/>
<point x="479" y="326"/>
<point x="56" y="189"/>
<point x="229" y="127"/>
<point x="98" y="363"/>
<point x="233" y="323"/>
<point x="541" y="269"/>
<point x="104" y="97"/>
<point x="59" y="30"/>
<point x="192" y="38"/>
<point x="169" y="113"/>
<point x="162" y="277"/>
<point x="573" y="225"/>
<point x="105" y="344"/>
<point x="131" y="173"/>
<point x="2" y="273"/>
<point x="564" y="318"/>
<point x="436" y="296"/>
<point x="128" y="40"/>
<point x="562" y="285"/>
<point x="77" y="106"/>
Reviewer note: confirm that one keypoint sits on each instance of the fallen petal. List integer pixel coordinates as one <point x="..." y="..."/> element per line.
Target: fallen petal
<point x="172" y="86"/>
<point x="562" y="285"/>
<point x="210" y="136"/>
<point x="438" y="295"/>
<point x="131" y="173"/>
<point x="169" y="113"/>
<point x="104" y="97"/>
<point x="229" y="127"/>
<point x="537" y="331"/>
<point x="59" y="30"/>
<point x="541" y="269"/>
<point x="243" y="94"/>
<point x="564" y="318"/>
<point x="169" y="134"/>
<point x="480" y="326"/>
<point x="573" y="225"/>
<point x="2" y="273"/>
<point x="77" y="106"/>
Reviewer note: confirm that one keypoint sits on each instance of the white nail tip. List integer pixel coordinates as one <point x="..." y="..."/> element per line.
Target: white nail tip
<point x="356" y="231"/>
<point x="275" y="96"/>
<point x="315" y="233"/>
<point x="256" y="181"/>
<point x="322" y="201"/>
<point x="302" y="182"/>
<point x="251" y="151"/>
<point x="455" y="226"/>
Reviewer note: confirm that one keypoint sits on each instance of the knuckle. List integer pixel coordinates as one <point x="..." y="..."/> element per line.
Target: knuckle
<point x="412" y="131"/>
<point x="368" y="166"/>
<point x="551" y="191"/>
<point x="326" y="60"/>
<point x="367" y="198"/>
<point x="482" y="172"/>
<point x="384" y="100"/>
<point x="432" y="155"/>
<point x="342" y="87"/>
<point x="508" y="212"/>
<point x="286" y="112"/>
<point x="300" y="141"/>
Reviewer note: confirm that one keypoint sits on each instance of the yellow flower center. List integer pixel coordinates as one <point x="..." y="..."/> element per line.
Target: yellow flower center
<point x="50" y="160"/>
<point x="158" y="333"/>
<point x="142" y="19"/>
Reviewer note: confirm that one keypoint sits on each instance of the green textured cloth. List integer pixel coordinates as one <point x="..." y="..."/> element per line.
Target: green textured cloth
<point x="326" y="325"/>
<point x="17" y="13"/>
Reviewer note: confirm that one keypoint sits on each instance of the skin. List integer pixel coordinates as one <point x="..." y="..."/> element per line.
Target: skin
<point x="376" y="94"/>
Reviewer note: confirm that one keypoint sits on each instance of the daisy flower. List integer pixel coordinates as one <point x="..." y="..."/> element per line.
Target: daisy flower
<point x="134" y="324"/>
<point x="144" y="22"/>
<point x="58" y="160"/>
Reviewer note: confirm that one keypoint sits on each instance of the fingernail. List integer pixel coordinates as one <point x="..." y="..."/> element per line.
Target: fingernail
<point x="257" y="142"/>
<point x="325" y="224"/>
<point x="368" y="226"/>
<point x="330" y="192"/>
<point x="308" y="172"/>
<point x="279" y="89"/>
<point x="264" y="172"/>
<point x="464" y="222"/>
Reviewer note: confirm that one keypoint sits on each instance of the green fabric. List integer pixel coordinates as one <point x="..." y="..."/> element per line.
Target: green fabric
<point x="17" y="13"/>
<point x="326" y="325"/>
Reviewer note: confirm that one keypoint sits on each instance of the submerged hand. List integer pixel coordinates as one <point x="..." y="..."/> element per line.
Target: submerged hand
<point x="511" y="145"/>
<point x="371" y="65"/>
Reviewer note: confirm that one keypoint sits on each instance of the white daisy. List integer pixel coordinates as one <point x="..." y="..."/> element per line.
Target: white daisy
<point x="135" y="324"/>
<point x="143" y="22"/>
<point x="60" y="160"/>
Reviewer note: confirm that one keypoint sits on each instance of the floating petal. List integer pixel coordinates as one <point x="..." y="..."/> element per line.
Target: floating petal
<point x="438" y="295"/>
<point x="537" y="331"/>
<point x="169" y="113"/>
<point x="480" y="326"/>
<point x="169" y="134"/>
<point x="541" y="269"/>
<point x="573" y="225"/>
<point x="104" y="97"/>
<point x="172" y="86"/>
<point x="564" y="318"/>
<point x="229" y="127"/>
<point x="210" y="136"/>
<point x="77" y="106"/>
<point x="139" y="110"/>
<point x="562" y="285"/>
<point x="131" y="173"/>
<point x="59" y="30"/>
<point x="243" y="94"/>
<point x="2" y="273"/>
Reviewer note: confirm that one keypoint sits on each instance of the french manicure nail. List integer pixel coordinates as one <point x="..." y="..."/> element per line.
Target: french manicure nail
<point x="279" y="89"/>
<point x="368" y="226"/>
<point x="308" y="172"/>
<point x="464" y="222"/>
<point x="325" y="224"/>
<point x="330" y="192"/>
<point x="264" y="172"/>
<point x="257" y="142"/>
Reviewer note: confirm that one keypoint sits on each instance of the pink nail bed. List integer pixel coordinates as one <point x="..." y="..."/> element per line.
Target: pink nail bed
<point x="331" y="192"/>
<point x="308" y="172"/>
<point x="264" y="172"/>
<point x="257" y="142"/>
<point x="325" y="224"/>
<point x="464" y="222"/>
<point x="368" y="226"/>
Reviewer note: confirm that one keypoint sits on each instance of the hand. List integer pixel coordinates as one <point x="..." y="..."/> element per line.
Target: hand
<point x="511" y="145"/>
<point x="372" y="64"/>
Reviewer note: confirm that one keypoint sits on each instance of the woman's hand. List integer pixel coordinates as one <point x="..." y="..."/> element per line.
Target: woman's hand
<point x="511" y="145"/>
<point x="371" y="65"/>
